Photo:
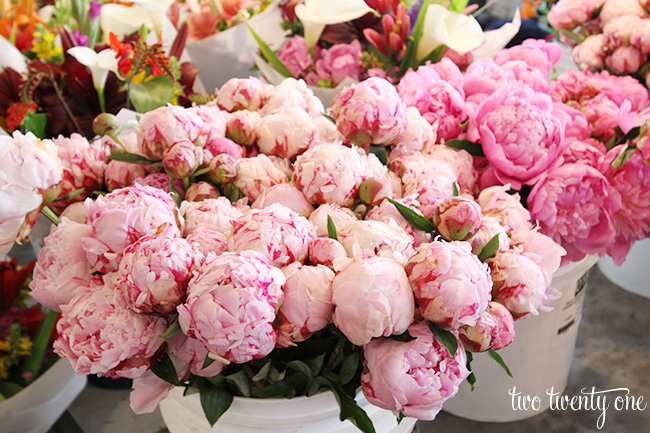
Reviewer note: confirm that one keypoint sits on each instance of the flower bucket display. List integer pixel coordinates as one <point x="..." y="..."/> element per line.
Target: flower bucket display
<point x="633" y="274"/>
<point x="316" y="414"/>
<point x="539" y="359"/>
<point x="37" y="407"/>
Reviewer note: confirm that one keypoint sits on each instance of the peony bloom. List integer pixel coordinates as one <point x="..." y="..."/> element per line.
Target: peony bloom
<point x="490" y="227"/>
<point x="332" y="173"/>
<point x="513" y="117"/>
<point x="339" y="62"/>
<point x="231" y="303"/>
<point x="222" y="145"/>
<point x="214" y="119"/>
<point x="567" y="14"/>
<point x="147" y="391"/>
<point x="257" y="174"/>
<point x="28" y="168"/>
<point x="414" y="377"/>
<point x="61" y="267"/>
<point x="164" y="126"/>
<point x="457" y="218"/>
<point x="83" y="167"/>
<point x="99" y="335"/>
<point x="162" y="181"/>
<point x="287" y="195"/>
<point x="574" y="206"/>
<point x="243" y="94"/>
<point x="276" y="232"/>
<point x="181" y="159"/>
<point x="222" y="168"/>
<point x="536" y="53"/>
<point x="154" y="272"/>
<point x="421" y="174"/>
<point x="292" y="93"/>
<point x="505" y="325"/>
<point x="461" y="163"/>
<point x="295" y="56"/>
<point x="451" y="285"/>
<point x="286" y="134"/>
<point x="215" y="214"/>
<point x="612" y="9"/>
<point x="626" y="60"/>
<point x="120" y="174"/>
<point x="241" y="127"/>
<point x="324" y="251"/>
<point x="206" y="241"/>
<point x="419" y="135"/>
<point x="548" y="254"/>
<point x="387" y="211"/>
<point x="370" y="112"/>
<point x="372" y="298"/>
<point x="507" y="208"/>
<point x="479" y="338"/>
<point x="122" y="217"/>
<point x="375" y="189"/>
<point x="340" y="217"/>
<point x="363" y="239"/>
<point x="200" y="191"/>
<point x="307" y="305"/>
<point x="192" y="353"/>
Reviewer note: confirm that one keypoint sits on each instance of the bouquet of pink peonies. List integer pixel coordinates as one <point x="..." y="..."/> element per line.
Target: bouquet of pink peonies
<point x="253" y="247"/>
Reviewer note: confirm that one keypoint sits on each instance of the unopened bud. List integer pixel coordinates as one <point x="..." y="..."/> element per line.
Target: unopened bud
<point x="374" y="189"/>
<point x="200" y="191"/>
<point x="457" y="218"/>
<point x="181" y="159"/>
<point x="223" y="169"/>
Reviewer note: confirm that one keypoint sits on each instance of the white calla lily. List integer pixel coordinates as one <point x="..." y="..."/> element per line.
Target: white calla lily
<point x="316" y="14"/>
<point x="156" y="10"/>
<point x="100" y="64"/>
<point x="461" y="33"/>
<point x="496" y="40"/>
<point x="123" y="20"/>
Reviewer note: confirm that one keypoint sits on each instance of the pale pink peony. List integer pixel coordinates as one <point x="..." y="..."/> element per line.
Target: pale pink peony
<point x="421" y="173"/>
<point x="577" y="125"/>
<point x="200" y="191"/>
<point x="76" y="212"/>
<point x="612" y="9"/>
<point x="119" y="174"/>
<point x="154" y="272"/>
<point x="219" y="146"/>
<point x="387" y="211"/>
<point x="419" y="134"/>
<point x="590" y="54"/>
<point x="519" y="282"/>
<point x="375" y="189"/>
<point x="507" y="208"/>
<point x="589" y="152"/>
<point x="506" y="325"/>
<point x="122" y="217"/>
<point x="339" y="62"/>
<point x="567" y="14"/>
<point x="222" y="168"/>
<point x="527" y="75"/>
<point x="287" y="195"/>
<point x="277" y="232"/>
<point x="479" y="338"/>
<point x="372" y="298"/>
<point x="243" y="94"/>
<point x="99" y="335"/>
<point x="215" y="214"/>
<point x="640" y="37"/>
<point x="181" y="159"/>
<point x="536" y="53"/>
<point x="490" y="227"/>
<point x="461" y="163"/>
<point x="192" y="353"/>
<point x="83" y="168"/>
<point x="231" y="303"/>
<point x="531" y="241"/>
<point x="618" y="32"/>
<point x="162" y="181"/>
<point x="214" y="118"/>
<point x="439" y="101"/>
<point x="257" y="174"/>
<point x="457" y="218"/>
<point x="370" y="112"/>
<point x="484" y="77"/>
<point x="363" y="239"/>
<point x="292" y="93"/>
<point x="241" y="127"/>
<point x="164" y="126"/>
<point x="307" y="305"/>
<point x="340" y="217"/>
<point x="519" y="134"/>
<point x="147" y="391"/>
<point x="295" y="56"/>
<point x="416" y="377"/>
<point x="208" y="241"/>
<point x="28" y="168"/>
<point x="574" y="206"/>
<point x="451" y="285"/>
<point x="626" y="60"/>
<point x="324" y="251"/>
<point x="286" y="134"/>
<point x="332" y="173"/>
<point x="61" y="267"/>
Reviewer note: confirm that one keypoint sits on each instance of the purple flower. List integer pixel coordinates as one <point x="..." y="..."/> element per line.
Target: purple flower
<point x="93" y="10"/>
<point x="80" y="39"/>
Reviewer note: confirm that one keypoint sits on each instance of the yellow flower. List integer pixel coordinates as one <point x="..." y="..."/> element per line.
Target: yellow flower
<point x="4" y="368"/>
<point x="45" y="47"/>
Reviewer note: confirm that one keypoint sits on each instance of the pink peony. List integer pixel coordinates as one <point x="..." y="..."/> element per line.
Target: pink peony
<point x="457" y="218"/>
<point x="119" y="174"/>
<point x="332" y="173"/>
<point x="440" y="102"/>
<point x="257" y="174"/>
<point x="536" y="53"/>
<point x="340" y="217"/>
<point x="490" y="227"/>
<point x="421" y="173"/>
<point x="277" y="232"/>
<point x="387" y="211"/>
<point x="375" y="189"/>
<point x="200" y="191"/>
<point x="162" y="181"/>
<point x="626" y="60"/>
<point x="461" y="163"/>
<point x="507" y="208"/>
<point x="339" y="62"/>
<point x="324" y="251"/>
<point x="219" y="146"/>
<point x="419" y="135"/>
<point x="147" y="391"/>
<point x="612" y="9"/>
<point x="479" y="338"/>
<point x="640" y="37"/>
<point x="241" y="127"/>
<point x="567" y="14"/>
<point x="363" y="239"/>
<point x="101" y="336"/>
<point x="370" y="112"/>
<point x="574" y="206"/>
<point x="287" y="195"/>
<point x="451" y="285"/>
<point x="590" y="54"/>
<point x="164" y="126"/>
<point x="484" y="77"/>
<point x="292" y="93"/>
<point x="372" y="298"/>
<point x="231" y="303"/>
<point x="222" y="168"/>
<point x="416" y="377"/>
<point x="243" y="94"/>
<point x="181" y="159"/>
<point x="548" y="254"/>
<point x="286" y="134"/>
<point x="214" y="119"/>
<point x="215" y="214"/>
<point x="511" y="118"/>
<point x="505" y="325"/>
<point x="577" y="125"/>
<point x="307" y="305"/>
<point x="61" y="267"/>
<point x="154" y="272"/>
<point x="295" y="56"/>
<point x="192" y="353"/>
<point x="206" y="241"/>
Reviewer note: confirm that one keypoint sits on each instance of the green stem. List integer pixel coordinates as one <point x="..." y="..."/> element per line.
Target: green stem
<point x="335" y="353"/>
<point x="186" y="183"/>
<point x="102" y="102"/>
<point x="484" y="7"/>
<point x="41" y="341"/>
<point x="49" y="214"/>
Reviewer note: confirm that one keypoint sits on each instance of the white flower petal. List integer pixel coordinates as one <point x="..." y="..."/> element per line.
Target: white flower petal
<point x="316" y="14"/>
<point x="461" y="33"/>
<point x="123" y="20"/>
<point x="496" y="40"/>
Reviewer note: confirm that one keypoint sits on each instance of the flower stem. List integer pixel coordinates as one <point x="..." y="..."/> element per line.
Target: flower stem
<point x="41" y="342"/>
<point x="49" y="214"/>
<point x="65" y="106"/>
<point x="102" y="102"/>
<point x="335" y="353"/>
<point x="251" y="375"/>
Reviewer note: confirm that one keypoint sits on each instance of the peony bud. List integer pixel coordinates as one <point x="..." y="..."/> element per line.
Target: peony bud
<point x="479" y="338"/>
<point x="181" y="159"/>
<point x="105" y="123"/>
<point x="241" y="127"/>
<point x="374" y="189"/>
<point x="457" y="218"/>
<point x="223" y="169"/>
<point x="200" y="191"/>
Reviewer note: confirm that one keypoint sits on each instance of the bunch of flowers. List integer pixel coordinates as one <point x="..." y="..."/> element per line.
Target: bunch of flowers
<point x="348" y="41"/>
<point x="271" y="252"/>
<point x="606" y="35"/>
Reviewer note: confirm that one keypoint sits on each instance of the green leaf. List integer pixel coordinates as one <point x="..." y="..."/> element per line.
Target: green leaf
<point x="33" y="363"/>
<point x="435" y="55"/>
<point x="472" y="148"/>
<point x="70" y="195"/>
<point x="623" y="157"/>
<point x="215" y="402"/>
<point x="151" y="94"/>
<point x="572" y="36"/>
<point x="631" y="135"/>
<point x="328" y="117"/>
<point x="316" y="364"/>
<point x="404" y="337"/>
<point x="380" y="152"/>
<point x="409" y="60"/>
<point x="301" y="367"/>
<point x="349" y="368"/>
<point x="471" y="379"/>
<point x="497" y="358"/>
<point x="455" y="186"/>
<point x="165" y="370"/>
<point x="444" y="337"/>
<point x="331" y="229"/>
<point x="241" y="382"/>
<point x="458" y="5"/>
<point x="175" y="194"/>
<point x="490" y="249"/>
<point x="400" y="417"/>
<point x="207" y="362"/>
<point x="35" y="123"/>
<point x="173" y="329"/>
<point x="269" y="55"/>
<point x="130" y="157"/>
<point x="351" y="410"/>
<point x="263" y="372"/>
<point x="417" y="221"/>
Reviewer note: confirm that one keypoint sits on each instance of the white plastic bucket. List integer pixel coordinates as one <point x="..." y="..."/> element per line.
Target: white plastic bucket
<point x="539" y="359"/>
<point x="316" y="414"/>
<point x="36" y="408"/>
<point x="634" y="274"/>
